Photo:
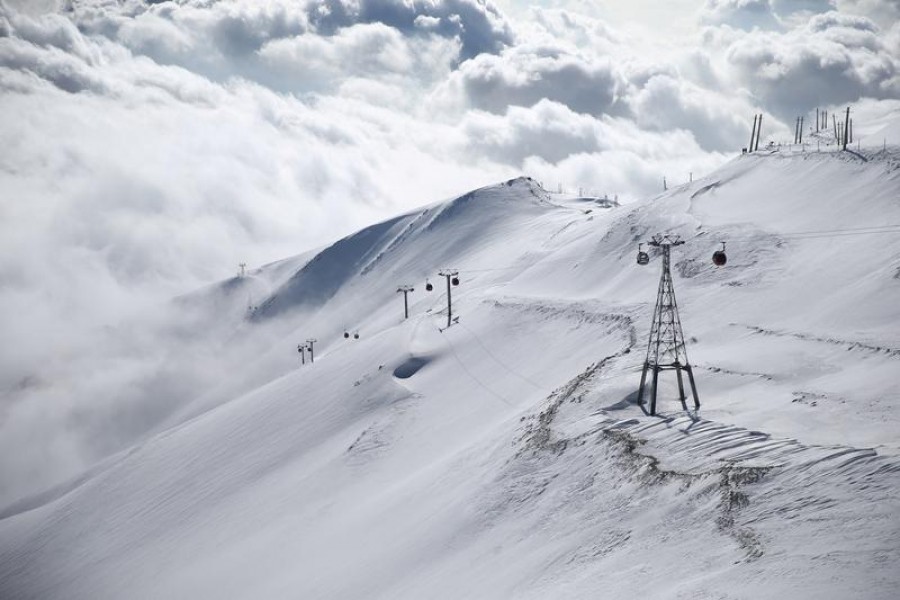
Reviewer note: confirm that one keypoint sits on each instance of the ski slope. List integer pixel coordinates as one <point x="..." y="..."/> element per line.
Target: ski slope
<point x="504" y="456"/>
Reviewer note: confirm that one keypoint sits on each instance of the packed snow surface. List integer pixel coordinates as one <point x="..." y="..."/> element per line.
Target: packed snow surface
<point x="504" y="456"/>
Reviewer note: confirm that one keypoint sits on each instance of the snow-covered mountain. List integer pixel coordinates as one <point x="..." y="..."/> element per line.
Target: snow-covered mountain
<point x="504" y="456"/>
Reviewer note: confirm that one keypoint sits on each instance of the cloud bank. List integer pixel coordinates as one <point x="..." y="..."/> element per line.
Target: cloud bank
<point x="149" y="147"/>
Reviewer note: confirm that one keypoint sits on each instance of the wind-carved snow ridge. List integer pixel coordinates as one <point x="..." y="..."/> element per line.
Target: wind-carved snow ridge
<point x="319" y="280"/>
<point x="846" y="344"/>
<point x="518" y="190"/>
<point x="359" y="254"/>
<point x="412" y="226"/>
<point x="733" y="463"/>
<point x="505" y="456"/>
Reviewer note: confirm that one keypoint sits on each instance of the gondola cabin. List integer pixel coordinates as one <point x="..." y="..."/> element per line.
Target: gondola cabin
<point x="642" y="257"/>
<point x="719" y="258"/>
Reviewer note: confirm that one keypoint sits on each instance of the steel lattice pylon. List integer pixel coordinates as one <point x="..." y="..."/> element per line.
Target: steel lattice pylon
<point x="666" y="349"/>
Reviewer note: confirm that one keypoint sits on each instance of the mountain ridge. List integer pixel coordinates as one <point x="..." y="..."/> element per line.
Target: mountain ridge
<point x="505" y="456"/>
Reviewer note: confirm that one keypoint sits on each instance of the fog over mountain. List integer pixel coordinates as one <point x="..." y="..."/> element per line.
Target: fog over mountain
<point x="149" y="147"/>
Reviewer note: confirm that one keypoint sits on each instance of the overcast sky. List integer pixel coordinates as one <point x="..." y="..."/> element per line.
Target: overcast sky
<point x="148" y="147"/>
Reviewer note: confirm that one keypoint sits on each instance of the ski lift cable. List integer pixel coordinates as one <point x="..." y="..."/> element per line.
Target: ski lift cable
<point x="827" y="233"/>
<point x="858" y="230"/>
<point x="519" y="266"/>
<point x="836" y="235"/>
<point x="813" y="234"/>
<point x="890" y="226"/>
<point x="470" y="374"/>
<point x="479" y="341"/>
<point x="875" y="229"/>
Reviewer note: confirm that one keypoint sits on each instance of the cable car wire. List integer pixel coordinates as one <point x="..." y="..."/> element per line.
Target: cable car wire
<point x="470" y="374"/>
<point x="541" y="261"/>
<point x="479" y="341"/>
<point x="874" y="229"/>
<point x="825" y="233"/>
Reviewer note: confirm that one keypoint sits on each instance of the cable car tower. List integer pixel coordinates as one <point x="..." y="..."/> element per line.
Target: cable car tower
<point x="666" y="349"/>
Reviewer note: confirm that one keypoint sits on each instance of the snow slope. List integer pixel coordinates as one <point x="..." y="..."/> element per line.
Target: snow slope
<point x="504" y="457"/>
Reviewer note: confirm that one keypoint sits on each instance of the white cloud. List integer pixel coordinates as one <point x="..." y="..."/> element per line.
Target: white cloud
<point x="369" y="51"/>
<point x="526" y="74"/>
<point x="548" y="129"/>
<point x="129" y="181"/>
<point x="362" y="48"/>
<point x="222" y="38"/>
<point x="834" y="59"/>
<point x="665" y="102"/>
<point x="478" y="25"/>
<point x="884" y="12"/>
<point x="559" y="146"/>
<point x="743" y="14"/>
